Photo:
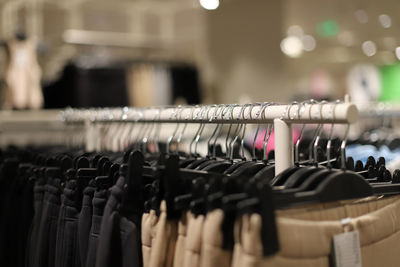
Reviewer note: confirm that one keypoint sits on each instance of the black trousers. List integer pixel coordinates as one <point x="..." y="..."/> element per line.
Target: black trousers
<point x="45" y="253"/>
<point x="85" y="223"/>
<point x="99" y="202"/>
<point x="118" y="243"/>
<point x="66" y="249"/>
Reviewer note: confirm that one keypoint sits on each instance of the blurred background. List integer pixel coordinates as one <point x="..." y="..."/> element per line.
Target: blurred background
<point x="84" y="53"/>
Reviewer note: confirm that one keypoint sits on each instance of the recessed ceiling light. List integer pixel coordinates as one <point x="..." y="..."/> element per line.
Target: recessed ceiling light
<point x="292" y="46"/>
<point x="369" y="48"/>
<point x="385" y="20"/>
<point x="361" y="16"/>
<point x="309" y="42"/>
<point x="209" y="4"/>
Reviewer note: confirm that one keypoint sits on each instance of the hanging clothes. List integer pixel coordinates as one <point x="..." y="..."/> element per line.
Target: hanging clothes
<point x="23" y="74"/>
<point x="61" y="206"/>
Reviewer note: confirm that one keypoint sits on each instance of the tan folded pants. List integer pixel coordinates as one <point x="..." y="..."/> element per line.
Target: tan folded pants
<point x="305" y="236"/>
<point x="163" y="246"/>
<point x="193" y="241"/>
<point x="212" y="254"/>
<point x="149" y="222"/>
<point x="181" y="240"/>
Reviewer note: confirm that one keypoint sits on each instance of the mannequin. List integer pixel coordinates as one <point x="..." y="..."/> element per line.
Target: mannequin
<point x="23" y="74"/>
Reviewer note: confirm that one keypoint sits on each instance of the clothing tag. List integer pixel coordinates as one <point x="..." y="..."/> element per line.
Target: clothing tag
<point x="346" y="250"/>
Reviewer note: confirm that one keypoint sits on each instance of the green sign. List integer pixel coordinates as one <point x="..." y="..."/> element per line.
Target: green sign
<point x="328" y="28"/>
<point x="390" y="77"/>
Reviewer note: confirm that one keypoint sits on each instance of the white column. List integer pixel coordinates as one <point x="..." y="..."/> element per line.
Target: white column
<point x="283" y="145"/>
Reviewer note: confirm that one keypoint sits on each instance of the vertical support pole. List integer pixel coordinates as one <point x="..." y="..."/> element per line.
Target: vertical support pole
<point x="283" y="145"/>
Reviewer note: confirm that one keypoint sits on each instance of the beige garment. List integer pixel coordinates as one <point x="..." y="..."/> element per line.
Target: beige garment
<point x="141" y="86"/>
<point x="149" y="222"/>
<point x="193" y="241"/>
<point x="23" y="76"/>
<point x="163" y="245"/>
<point x="305" y="238"/>
<point x="237" y="248"/>
<point x="212" y="254"/>
<point x="146" y="239"/>
<point x="181" y="240"/>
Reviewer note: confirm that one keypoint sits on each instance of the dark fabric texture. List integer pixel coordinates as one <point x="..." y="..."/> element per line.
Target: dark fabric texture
<point x="18" y="218"/>
<point x="8" y="209"/>
<point x="25" y="221"/>
<point x="118" y="235"/>
<point x="66" y="250"/>
<point x="87" y="87"/>
<point x="8" y="174"/>
<point x="185" y="83"/>
<point x="45" y="253"/>
<point x="85" y="222"/>
<point x="33" y="238"/>
<point x="99" y="202"/>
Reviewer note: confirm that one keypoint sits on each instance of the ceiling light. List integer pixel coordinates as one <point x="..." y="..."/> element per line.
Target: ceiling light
<point x="309" y="42"/>
<point x="209" y="4"/>
<point x="292" y="46"/>
<point x="361" y="16"/>
<point x="369" y="48"/>
<point x="397" y="51"/>
<point x="385" y="21"/>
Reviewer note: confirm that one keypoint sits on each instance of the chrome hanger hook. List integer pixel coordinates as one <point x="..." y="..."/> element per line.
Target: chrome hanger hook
<point x="229" y="131"/>
<point x="301" y="109"/>
<point x="316" y="142"/>
<point x="214" y="116"/>
<point x="174" y="114"/>
<point x="329" y="143"/>
<point x="179" y="138"/>
<point x="223" y="112"/>
<point x="262" y="105"/>
<point x="198" y="129"/>
<point x="268" y="132"/>
<point x="237" y="131"/>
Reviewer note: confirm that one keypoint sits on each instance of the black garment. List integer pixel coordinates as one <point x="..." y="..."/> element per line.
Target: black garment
<point x="34" y="232"/>
<point x="18" y="219"/>
<point x="25" y="220"/>
<point x="8" y="183"/>
<point x="60" y="93"/>
<point x="118" y="243"/>
<point x="85" y="222"/>
<point x="88" y="87"/>
<point x="99" y="202"/>
<point x="66" y="249"/>
<point x="185" y="83"/>
<point x="45" y="255"/>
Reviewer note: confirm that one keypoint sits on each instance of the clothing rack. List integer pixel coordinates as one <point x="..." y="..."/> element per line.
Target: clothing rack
<point x="283" y="116"/>
<point x="30" y="126"/>
<point x="379" y="110"/>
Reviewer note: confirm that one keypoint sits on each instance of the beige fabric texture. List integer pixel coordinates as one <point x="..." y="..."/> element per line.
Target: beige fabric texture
<point x="212" y="254"/>
<point x="163" y="245"/>
<point x="23" y="76"/>
<point x="237" y="248"/>
<point x="305" y="237"/>
<point x="193" y="241"/>
<point x="146" y="239"/>
<point x="140" y="81"/>
<point x="181" y="240"/>
<point x="149" y="222"/>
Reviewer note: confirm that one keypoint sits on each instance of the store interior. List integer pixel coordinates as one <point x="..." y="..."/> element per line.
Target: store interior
<point x="236" y="51"/>
<point x="199" y="133"/>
